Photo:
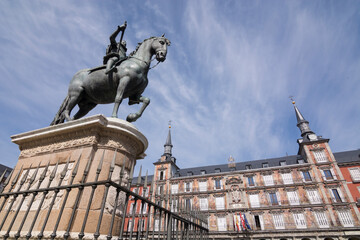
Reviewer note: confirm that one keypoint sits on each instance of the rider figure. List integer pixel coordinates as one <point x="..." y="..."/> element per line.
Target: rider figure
<point x="116" y="51"/>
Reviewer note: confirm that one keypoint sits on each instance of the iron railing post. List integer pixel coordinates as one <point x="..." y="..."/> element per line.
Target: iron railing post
<point x="93" y="187"/>
<point x="73" y="174"/>
<point x="51" y="178"/>
<point x="126" y="204"/>
<point x="62" y="176"/>
<point x="41" y="179"/>
<point x="23" y="198"/>
<point x="107" y="185"/>
<point x="79" y="194"/>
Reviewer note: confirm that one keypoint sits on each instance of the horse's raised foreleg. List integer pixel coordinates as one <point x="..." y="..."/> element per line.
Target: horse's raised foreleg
<point x="119" y="95"/>
<point x="132" y="117"/>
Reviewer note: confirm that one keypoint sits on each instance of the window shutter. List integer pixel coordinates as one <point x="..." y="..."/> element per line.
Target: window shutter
<point x="345" y="218"/>
<point x="278" y="198"/>
<point x="203" y="204"/>
<point x="355" y="173"/>
<point x="320" y="156"/>
<point x="220" y="203"/>
<point x="299" y="220"/>
<point x="202" y="186"/>
<point x="261" y="222"/>
<point x="314" y="196"/>
<point x="287" y="178"/>
<point x="268" y="180"/>
<point x="341" y="195"/>
<point x="333" y="173"/>
<point x="321" y="219"/>
<point x="254" y="200"/>
<point x="221" y="224"/>
<point x="323" y="175"/>
<point x="293" y="198"/>
<point x="174" y="188"/>
<point x="279" y="221"/>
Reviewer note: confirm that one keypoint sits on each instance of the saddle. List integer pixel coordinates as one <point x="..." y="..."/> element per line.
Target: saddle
<point x="104" y="66"/>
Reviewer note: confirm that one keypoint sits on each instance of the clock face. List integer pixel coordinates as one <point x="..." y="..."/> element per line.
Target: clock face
<point x="312" y="137"/>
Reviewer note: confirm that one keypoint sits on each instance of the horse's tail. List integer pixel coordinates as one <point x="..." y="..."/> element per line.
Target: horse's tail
<point x="59" y="117"/>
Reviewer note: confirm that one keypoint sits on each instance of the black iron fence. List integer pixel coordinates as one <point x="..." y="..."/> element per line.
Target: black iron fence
<point x="154" y="221"/>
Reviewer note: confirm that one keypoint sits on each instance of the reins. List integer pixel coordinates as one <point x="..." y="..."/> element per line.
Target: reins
<point x="147" y="62"/>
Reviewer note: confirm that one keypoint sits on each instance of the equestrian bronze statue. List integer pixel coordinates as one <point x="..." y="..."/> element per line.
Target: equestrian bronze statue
<point x="128" y="79"/>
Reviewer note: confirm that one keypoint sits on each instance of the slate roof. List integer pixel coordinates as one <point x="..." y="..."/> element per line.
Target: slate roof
<point x="272" y="162"/>
<point x="341" y="157"/>
<point x="347" y="156"/>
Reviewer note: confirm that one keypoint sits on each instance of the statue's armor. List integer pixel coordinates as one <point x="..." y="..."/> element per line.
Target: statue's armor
<point x="119" y="52"/>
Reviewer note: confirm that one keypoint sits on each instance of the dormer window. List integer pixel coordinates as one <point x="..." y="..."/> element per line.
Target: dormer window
<point x="217" y="170"/>
<point x="202" y="172"/>
<point x="300" y="161"/>
<point x="189" y="173"/>
<point x="248" y="167"/>
<point x="282" y="163"/>
<point x="265" y="165"/>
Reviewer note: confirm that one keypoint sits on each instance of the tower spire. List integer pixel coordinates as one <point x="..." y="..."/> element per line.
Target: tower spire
<point x="168" y="146"/>
<point x="303" y="124"/>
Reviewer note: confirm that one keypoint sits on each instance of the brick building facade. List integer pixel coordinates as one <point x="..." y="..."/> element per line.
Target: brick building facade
<point x="311" y="195"/>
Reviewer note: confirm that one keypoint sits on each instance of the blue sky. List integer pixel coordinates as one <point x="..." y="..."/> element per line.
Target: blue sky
<point x="225" y="84"/>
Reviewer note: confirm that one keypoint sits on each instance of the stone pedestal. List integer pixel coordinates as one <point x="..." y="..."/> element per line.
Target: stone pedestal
<point x="86" y="140"/>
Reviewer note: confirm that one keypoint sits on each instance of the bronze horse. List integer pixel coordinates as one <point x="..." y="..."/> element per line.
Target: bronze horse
<point x="91" y="87"/>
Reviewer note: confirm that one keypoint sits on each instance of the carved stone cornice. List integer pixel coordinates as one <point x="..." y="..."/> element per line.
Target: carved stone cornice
<point x="58" y="143"/>
<point x="95" y="130"/>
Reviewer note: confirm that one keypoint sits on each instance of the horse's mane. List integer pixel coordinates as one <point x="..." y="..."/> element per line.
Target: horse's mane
<point x="139" y="44"/>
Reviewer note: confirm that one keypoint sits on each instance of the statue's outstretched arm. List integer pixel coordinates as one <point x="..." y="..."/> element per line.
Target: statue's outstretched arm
<point x="114" y="35"/>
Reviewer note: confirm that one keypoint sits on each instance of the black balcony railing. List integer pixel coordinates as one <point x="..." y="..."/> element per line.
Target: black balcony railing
<point x="15" y="222"/>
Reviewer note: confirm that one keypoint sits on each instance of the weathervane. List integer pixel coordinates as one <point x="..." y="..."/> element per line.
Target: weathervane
<point x="292" y="99"/>
<point x="169" y="123"/>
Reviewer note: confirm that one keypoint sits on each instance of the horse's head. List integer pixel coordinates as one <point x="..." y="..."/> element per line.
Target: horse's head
<point x="159" y="46"/>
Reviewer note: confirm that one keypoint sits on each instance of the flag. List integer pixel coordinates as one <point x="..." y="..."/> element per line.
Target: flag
<point x="247" y="223"/>
<point x="236" y="223"/>
<point x="243" y="226"/>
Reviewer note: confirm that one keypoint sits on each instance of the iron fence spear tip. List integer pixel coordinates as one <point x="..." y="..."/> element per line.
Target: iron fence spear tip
<point x="65" y="168"/>
<point x="22" y="181"/>
<point x="32" y="179"/>
<point x="112" y="166"/>
<point x="16" y="176"/>
<point x="132" y="171"/>
<point x="74" y="172"/>
<point x="139" y="178"/>
<point x="87" y="168"/>
<point x="101" y="162"/>
<point x="146" y="178"/>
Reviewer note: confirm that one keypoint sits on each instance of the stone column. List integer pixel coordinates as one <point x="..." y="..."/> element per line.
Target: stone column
<point x="86" y="141"/>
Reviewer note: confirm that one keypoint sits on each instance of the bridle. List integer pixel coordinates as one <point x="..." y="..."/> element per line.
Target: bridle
<point x="147" y="63"/>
